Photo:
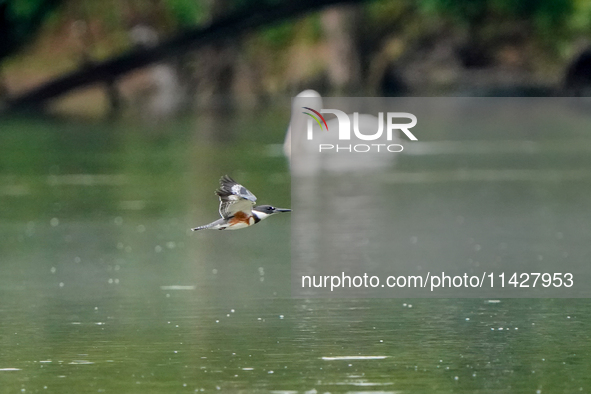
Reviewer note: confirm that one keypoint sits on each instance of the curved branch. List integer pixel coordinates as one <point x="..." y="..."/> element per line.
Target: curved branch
<point x="109" y="70"/>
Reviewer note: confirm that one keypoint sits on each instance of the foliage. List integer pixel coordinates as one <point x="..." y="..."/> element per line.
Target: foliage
<point x="545" y="14"/>
<point x="19" y="20"/>
<point x="186" y="12"/>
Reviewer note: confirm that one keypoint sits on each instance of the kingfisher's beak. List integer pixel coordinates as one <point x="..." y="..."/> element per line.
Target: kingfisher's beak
<point x="282" y="210"/>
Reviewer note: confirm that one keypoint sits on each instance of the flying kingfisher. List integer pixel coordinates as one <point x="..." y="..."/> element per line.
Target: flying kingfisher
<point x="237" y="207"/>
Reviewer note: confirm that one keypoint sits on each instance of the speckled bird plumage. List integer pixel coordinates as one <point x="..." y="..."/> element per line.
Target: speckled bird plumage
<point x="237" y="207"/>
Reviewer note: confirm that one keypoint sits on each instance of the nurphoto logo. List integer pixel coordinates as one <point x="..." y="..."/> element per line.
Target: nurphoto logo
<point x="361" y="130"/>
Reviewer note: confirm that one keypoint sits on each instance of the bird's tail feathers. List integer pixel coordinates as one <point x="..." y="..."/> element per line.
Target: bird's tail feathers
<point x="208" y="226"/>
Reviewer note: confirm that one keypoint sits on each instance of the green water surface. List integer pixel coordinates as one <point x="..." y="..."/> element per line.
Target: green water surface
<point x="104" y="289"/>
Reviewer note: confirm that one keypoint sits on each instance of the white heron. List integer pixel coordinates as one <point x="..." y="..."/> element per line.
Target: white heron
<point x="304" y="155"/>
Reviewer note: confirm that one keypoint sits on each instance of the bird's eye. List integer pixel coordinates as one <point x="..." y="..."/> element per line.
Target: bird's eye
<point x="271" y="208"/>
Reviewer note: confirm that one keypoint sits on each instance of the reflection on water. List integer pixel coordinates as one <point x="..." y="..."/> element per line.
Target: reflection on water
<point x="487" y="191"/>
<point x="104" y="288"/>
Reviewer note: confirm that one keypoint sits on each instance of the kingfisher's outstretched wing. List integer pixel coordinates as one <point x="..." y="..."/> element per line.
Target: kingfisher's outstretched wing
<point x="234" y="198"/>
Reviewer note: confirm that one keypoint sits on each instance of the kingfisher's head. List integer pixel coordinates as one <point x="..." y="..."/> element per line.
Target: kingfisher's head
<point x="264" y="211"/>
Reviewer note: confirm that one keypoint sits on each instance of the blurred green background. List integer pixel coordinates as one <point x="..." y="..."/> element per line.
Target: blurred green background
<point x="103" y="288"/>
<point x="375" y="48"/>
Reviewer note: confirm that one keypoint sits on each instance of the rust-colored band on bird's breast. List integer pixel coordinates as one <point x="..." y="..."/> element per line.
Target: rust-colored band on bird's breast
<point x="240" y="217"/>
